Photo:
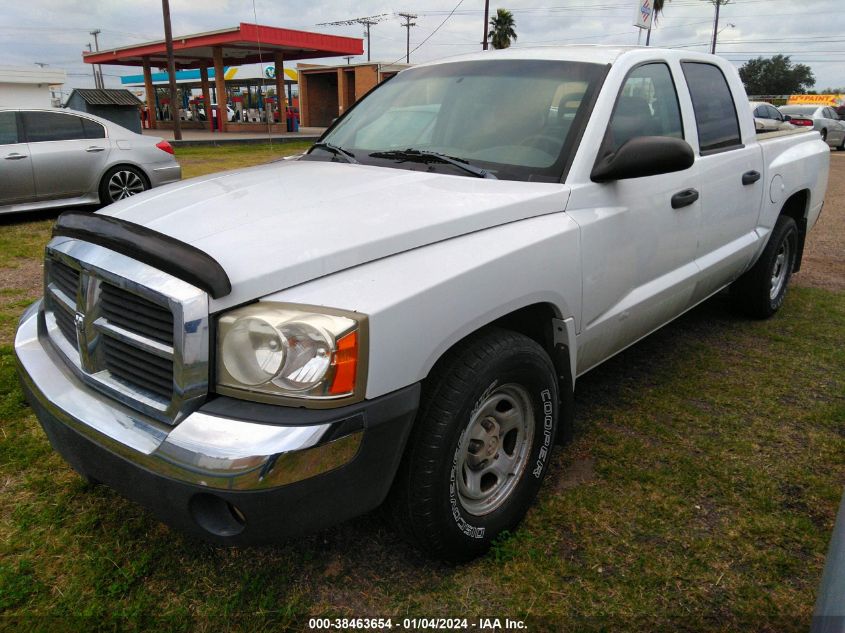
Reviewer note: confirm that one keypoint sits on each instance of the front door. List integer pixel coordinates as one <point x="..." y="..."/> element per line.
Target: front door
<point x="638" y="252"/>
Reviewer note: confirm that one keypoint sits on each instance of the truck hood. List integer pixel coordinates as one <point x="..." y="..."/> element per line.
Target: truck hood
<point x="285" y="223"/>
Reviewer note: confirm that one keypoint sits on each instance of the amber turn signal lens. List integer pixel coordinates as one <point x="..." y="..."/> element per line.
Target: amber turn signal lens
<point x="346" y="364"/>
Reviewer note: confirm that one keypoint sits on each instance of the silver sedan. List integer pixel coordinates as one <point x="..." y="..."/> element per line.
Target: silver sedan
<point x="822" y="118"/>
<point x="56" y="158"/>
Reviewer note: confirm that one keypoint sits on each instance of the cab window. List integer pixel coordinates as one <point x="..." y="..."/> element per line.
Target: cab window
<point x="715" y="112"/>
<point x="646" y="106"/>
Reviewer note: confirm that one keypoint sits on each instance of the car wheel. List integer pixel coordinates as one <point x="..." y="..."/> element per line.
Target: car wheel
<point x="824" y="135"/>
<point x="480" y="446"/>
<point x="760" y="292"/>
<point x="122" y="182"/>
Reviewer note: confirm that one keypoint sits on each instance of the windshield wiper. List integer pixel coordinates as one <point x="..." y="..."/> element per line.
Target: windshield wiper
<point x="423" y="156"/>
<point x="337" y="151"/>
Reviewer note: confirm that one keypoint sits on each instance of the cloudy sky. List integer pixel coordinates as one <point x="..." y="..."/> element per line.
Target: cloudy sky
<point x="56" y="31"/>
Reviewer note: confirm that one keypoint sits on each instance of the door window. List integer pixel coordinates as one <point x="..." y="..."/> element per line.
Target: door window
<point x="92" y="129"/>
<point x="647" y="106"/>
<point x="52" y="126"/>
<point x="715" y="112"/>
<point x="774" y="114"/>
<point x="8" y="128"/>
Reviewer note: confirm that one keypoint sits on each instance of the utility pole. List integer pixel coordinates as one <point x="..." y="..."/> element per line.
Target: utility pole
<point x="171" y="72"/>
<point x="349" y="59"/>
<point x="408" y="24"/>
<point x="718" y="4"/>
<point x="98" y="72"/>
<point x="93" y="66"/>
<point x="367" y="22"/>
<point x="486" y="18"/>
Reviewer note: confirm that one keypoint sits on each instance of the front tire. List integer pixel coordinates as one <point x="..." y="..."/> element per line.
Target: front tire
<point x="480" y="446"/>
<point x="760" y="292"/>
<point x="122" y="182"/>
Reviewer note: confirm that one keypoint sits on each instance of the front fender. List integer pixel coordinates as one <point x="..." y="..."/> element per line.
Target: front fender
<point x="421" y="302"/>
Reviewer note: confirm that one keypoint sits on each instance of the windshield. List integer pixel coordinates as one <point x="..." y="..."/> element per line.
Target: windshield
<point x="517" y="119"/>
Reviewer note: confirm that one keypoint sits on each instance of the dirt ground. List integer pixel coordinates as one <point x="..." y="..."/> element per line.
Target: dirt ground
<point x="824" y="253"/>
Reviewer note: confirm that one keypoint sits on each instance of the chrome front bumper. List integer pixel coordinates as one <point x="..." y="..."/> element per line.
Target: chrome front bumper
<point x="205" y="450"/>
<point x="232" y="472"/>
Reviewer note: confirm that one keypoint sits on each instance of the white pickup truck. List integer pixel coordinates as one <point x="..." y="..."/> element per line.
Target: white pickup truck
<point x="401" y="314"/>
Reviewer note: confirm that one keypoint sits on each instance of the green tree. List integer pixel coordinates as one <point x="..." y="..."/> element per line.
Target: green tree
<point x="502" y="29"/>
<point x="775" y="76"/>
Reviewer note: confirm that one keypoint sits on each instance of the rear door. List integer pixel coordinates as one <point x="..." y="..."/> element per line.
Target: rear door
<point x="69" y="153"/>
<point x="731" y="175"/>
<point x="16" y="182"/>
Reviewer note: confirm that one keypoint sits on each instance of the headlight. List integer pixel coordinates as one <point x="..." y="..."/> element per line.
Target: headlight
<point x="274" y="351"/>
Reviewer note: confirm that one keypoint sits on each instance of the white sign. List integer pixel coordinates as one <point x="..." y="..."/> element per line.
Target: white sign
<point x="645" y="14"/>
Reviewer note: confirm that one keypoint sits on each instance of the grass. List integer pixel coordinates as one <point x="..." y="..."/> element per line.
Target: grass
<point x="198" y="161"/>
<point x="699" y="494"/>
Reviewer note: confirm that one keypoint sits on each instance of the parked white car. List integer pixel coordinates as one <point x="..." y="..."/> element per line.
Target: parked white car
<point x="401" y="314"/>
<point x="767" y="118"/>
<point x="823" y="119"/>
<point x="58" y="158"/>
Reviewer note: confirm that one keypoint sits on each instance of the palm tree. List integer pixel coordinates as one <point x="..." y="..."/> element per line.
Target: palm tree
<point x="502" y="29"/>
<point x="657" y="6"/>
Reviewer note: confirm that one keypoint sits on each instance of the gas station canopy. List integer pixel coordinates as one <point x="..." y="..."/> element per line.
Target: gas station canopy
<point x="242" y="44"/>
<point x="236" y="46"/>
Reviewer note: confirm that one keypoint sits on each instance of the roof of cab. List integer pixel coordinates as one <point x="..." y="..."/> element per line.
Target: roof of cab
<point x="591" y="53"/>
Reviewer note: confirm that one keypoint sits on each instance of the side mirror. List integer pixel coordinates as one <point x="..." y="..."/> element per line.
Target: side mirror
<point x="787" y="118"/>
<point x="644" y="156"/>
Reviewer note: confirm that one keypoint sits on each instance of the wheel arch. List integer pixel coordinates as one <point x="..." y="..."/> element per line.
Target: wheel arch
<point x="123" y="163"/>
<point x="796" y="207"/>
<point x="542" y="323"/>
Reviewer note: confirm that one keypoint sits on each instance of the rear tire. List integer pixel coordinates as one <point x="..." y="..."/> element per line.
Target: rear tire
<point x="760" y="292"/>
<point x="480" y="445"/>
<point x="122" y="182"/>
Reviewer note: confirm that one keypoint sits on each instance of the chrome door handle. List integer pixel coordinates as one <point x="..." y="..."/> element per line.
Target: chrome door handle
<point x="94" y="148"/>
<point x="15" y="156"/>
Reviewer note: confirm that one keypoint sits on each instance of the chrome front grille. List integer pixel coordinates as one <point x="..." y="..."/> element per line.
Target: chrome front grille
<point x="128" y="329"/>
